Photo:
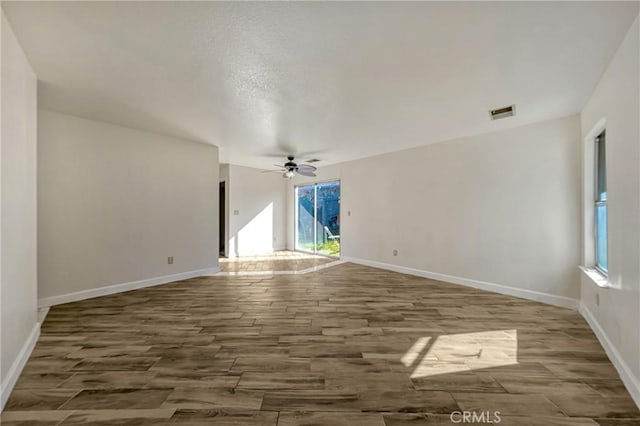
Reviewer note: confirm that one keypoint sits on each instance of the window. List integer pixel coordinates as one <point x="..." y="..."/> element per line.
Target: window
<point x="601" y="204"/>
<point x="318" y="218"/>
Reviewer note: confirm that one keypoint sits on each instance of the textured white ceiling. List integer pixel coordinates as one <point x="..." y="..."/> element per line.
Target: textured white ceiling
<point x="336" y="80"/>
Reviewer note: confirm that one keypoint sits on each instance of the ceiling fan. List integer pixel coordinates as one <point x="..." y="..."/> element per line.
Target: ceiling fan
<point x="290" y="169"/>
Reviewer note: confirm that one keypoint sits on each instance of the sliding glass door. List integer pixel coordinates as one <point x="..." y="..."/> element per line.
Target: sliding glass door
<point x="318" y="218"/>
<point x="327" y="218"/>
<point x="305" y="208"/>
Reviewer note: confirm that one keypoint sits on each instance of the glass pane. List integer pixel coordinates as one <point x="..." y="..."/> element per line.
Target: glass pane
<point x="601" y="171"/>
<point x="328" y="218"/>
<point x="305" y="210"/>
<point x="601" y="237"/>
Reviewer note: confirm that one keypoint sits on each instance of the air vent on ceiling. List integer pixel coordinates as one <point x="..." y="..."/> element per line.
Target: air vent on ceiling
<point x="503" y="112"/>
<point x="313" y="160"/>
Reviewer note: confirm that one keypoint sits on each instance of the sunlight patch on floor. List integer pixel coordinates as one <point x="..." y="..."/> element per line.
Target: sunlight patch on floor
<point x="455" y="353"/>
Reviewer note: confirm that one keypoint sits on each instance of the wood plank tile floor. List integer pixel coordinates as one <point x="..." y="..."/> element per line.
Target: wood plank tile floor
<point x="348" y="345"/>
<point x="277" y="261"/>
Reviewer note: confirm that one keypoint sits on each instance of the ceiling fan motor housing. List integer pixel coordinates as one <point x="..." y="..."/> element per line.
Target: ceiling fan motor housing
<point x="291" y="169"/>
<point x="290" y="164"/>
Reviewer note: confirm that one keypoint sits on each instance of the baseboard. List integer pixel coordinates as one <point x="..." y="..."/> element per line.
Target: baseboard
<point x="10" y="380"/>
<point x="119" y="288"/>
<point x="631" y="382"/>
<point x="550" y="299"/>
<point x="42" y="314"/>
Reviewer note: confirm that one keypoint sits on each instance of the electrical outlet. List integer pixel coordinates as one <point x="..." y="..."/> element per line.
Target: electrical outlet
<point x="395" y="252"/>
<point x="170" y="260"/>
<point x="597" y="299"/>
<point x="236" y="212"/>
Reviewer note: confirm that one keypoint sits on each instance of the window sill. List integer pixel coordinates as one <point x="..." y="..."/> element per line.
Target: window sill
<point x="596" y="277"/>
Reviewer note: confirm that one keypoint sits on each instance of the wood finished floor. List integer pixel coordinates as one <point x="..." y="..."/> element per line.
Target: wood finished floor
<point x="348" y="345"/>
<point x="278" y="261"/>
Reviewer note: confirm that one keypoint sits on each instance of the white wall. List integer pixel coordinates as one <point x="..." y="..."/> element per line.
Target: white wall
<point x="260" y="201"/>
<point x="616" y="99"/>
<point x="115" y="202"/>
<point x="500" y="208"/>
<point x="224" y="172"/>
<point x="18" y="268"/>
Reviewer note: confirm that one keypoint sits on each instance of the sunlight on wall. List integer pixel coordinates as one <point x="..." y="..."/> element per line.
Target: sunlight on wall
<point x="256" y="237"/>
<point x="232" y="250"/>
<point x="455" y="353"/>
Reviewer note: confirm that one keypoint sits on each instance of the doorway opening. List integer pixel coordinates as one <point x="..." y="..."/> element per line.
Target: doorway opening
<point x="222" y="216"/>
<point x="317" y="212"/>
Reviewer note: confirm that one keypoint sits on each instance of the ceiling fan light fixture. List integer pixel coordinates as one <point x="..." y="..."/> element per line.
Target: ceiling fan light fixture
<point x="289" y="174"/>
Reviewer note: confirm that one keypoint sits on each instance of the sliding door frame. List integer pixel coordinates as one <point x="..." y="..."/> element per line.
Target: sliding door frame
<point x="315" y="209"/>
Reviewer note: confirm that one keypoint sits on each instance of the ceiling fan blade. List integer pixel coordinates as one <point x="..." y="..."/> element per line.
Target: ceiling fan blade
<point x="306" y="173"/>
<point x="271" y="171"/>
<point x="307" y="167"/>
